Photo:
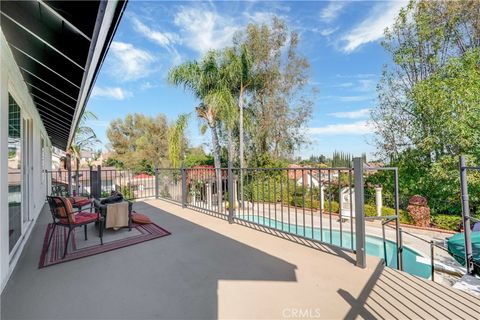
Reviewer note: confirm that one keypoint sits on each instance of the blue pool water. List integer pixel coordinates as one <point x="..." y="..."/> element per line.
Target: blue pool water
<point x="373" y="245"/>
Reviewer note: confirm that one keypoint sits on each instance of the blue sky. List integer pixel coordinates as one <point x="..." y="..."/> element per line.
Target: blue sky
<point x="340" y="39"/>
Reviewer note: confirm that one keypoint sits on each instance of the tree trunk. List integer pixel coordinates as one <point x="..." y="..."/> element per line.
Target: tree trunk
<point x="240" y="105"/>
<point x="231" y="150"/>
<point x="216" y="161"/>
<point x="242" y="158"/>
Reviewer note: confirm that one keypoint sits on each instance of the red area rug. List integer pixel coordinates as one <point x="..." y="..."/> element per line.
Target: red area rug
<point x="79" y="248"/>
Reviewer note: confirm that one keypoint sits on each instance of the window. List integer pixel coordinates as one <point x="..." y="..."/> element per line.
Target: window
<point x="42" y="158"/>
<point x="14" y="172"/>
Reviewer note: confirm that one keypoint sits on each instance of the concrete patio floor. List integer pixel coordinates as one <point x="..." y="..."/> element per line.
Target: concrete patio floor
<point x="211" y="269"/>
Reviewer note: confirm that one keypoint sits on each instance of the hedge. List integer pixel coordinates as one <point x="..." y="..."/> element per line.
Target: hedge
<point x="447" y="221"/>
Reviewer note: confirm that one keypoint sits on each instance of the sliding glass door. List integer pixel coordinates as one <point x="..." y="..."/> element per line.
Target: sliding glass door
<point x="15" y="173"/>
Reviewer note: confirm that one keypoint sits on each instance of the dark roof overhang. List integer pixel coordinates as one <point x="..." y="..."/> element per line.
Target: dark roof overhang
<point x="59" y="47"/>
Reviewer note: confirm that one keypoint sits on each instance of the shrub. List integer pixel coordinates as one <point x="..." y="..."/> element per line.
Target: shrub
<point x="371" y="211"/>
<point x="447" y="221"/>
<point x="127" y="192"/>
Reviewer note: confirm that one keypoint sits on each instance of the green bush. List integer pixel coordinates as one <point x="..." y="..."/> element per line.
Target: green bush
<point x="405" y="217"/>
<point x="127" y="192"/>
<point x="371" y="211"/>
<point x="447" y="221"/>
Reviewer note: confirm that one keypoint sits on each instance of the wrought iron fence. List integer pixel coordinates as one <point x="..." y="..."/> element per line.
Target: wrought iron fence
<point x="324" y="205"/>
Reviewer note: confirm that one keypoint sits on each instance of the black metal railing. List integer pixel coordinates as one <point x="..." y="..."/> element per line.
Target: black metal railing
<point x="470" y="263"/>
<point x="324" y="205"/>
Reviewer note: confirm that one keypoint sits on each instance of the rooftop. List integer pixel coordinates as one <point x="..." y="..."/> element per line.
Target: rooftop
<point x="208" y="268"/>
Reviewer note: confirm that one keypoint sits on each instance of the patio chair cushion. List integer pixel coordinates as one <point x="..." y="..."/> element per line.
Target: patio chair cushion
<point x="83" y="217"/>
<point x="140" y="218"/>
<point x="79" y="201"/>
<point x="65" y="210"/>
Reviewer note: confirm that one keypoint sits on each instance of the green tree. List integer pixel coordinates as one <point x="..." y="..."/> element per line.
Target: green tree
<point x="429" y="98"/>
<point x="279" y="104"/>
<point x="176" y="140"/>
<point x="197" y="157"/>
<point x="85" y="137"/>
<point x="425" y="36"/>
<point x="203" y="80"/>
<point x="139" y="142"/>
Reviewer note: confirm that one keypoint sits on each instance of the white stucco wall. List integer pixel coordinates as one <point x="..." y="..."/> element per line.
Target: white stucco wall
<point x="11" y="82"/>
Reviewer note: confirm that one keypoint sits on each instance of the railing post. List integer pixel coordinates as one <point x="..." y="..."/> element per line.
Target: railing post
<point x="99" y="181"/>
<point x="92" y="183"/>
<point x="231" y="201"/>
<point x="466" y="216"/>
<point x="397" y="224"/>
<point x="184" y="187"/>
<point x="68" y="164"/>
<point x="157" y="184"/>
<point x="432" y="259"/>
<point x="359" y="213"/>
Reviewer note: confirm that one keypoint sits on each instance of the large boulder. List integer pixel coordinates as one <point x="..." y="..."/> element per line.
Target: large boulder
<point x="419" y="211"/>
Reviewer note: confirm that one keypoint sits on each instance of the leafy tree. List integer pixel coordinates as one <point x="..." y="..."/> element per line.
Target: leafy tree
<point x="425" y="36"/>
<point x="139" y="142"/>
<point x="279" y="107"/>
<point x="197" y="157"/>
<point x="176" y="140"/>
<point x="429" y="99"/>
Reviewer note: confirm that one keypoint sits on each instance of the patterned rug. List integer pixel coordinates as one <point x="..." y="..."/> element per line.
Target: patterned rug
<point x="78" y="247"/>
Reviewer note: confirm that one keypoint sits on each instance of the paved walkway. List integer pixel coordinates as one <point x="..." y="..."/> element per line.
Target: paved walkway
<point x="210" y="269"/>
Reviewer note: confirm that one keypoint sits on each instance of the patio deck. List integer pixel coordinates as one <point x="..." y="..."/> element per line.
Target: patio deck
<point x="211" y="269"/>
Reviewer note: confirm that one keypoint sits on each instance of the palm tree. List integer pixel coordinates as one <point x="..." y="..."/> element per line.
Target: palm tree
<point x="240" y="78"/>
<point x="203" y="80"/>
<point x="84" y="138"/>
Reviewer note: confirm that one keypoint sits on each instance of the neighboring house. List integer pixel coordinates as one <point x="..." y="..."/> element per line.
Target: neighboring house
<point x="307" y="176"/>
<point x="142" y="182"/>
<point x="308" y="179"/>
<point x="50" y="55"/>
<point x="58" y="158"/>
<point x="91" y="158"/>
<point x="370" y="167"/>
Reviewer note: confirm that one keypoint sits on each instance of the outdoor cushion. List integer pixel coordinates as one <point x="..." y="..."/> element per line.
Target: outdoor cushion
<point x="83" y="217"/>
<point x="65" y="210"/>
<point x="79" y="201"/>
<point x="140" y="218"/>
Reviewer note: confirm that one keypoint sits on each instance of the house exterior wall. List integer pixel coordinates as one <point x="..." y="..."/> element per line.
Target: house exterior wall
<point x="12" y="83"/>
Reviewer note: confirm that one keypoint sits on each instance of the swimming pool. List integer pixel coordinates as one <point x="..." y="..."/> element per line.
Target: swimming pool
<point x="373" y="245"/>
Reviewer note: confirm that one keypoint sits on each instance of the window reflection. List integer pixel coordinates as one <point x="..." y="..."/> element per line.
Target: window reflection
<point x="14" y="172"/>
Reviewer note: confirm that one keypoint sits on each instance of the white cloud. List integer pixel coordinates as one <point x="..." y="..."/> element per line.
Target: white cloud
<point x="203" y="29"/>
<point x="381" y="16"/>
<point x="115" y="93"/>
<point x="164" y="39"/>
<point x="148" y="85"/>
<point x="355" y="98"/>
<point x="355" y="128"/>
<point x="130" y="63"/>
<point x="332" y="11"/>
<point x="328" y="31"/>
<point x="260" y="17"/>
<point x="357" y="114"/>
<point x="357" y="76"/>
<point x="366" y="85"/>
<point x="343" y="85"/>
